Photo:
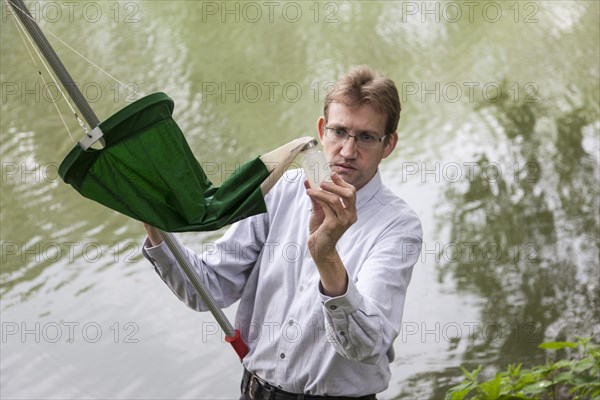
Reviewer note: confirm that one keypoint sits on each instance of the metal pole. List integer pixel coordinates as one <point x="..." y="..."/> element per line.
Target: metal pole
<point x="57" y="66"/>
<point x="231" y="335"/>
<point x="197" y="283"/>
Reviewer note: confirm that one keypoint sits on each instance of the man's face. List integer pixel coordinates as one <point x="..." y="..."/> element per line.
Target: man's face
<point x="354" y="164"/>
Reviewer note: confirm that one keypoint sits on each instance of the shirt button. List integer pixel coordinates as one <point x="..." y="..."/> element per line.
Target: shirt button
<point x="291" y="322"/>
<point x="300" y="288"/>
<point x="282" y="356"/>
<point x="333" y="307"/>
<point x="342" y="333"/>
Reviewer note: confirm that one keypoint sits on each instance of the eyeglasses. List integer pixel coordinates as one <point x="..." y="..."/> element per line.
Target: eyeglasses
<point x="362" y="140"/>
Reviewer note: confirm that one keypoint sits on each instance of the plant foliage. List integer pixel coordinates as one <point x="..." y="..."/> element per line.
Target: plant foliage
<point x="576" y="377"/>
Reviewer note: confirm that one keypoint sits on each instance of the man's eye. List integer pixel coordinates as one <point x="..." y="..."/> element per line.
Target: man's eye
<point x="365" y="137"/>
<point x="340" y="132"/>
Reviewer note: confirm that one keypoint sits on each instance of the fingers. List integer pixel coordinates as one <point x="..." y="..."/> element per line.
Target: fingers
<point x="336" y="192"/>
<point x="315" y="203"/>
<point x="338" y="186"/>
<point x="337" y="198"/>
<point x="306" y="184"/>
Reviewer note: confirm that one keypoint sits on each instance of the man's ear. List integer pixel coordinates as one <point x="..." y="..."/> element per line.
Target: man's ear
<point x="392" y="140"/>
<point x="321" y="127"/>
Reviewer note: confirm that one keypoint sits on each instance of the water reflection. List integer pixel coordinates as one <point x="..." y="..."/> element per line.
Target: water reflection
<point x="523" y="235"/>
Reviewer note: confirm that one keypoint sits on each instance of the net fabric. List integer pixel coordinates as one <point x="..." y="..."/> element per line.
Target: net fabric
<point x="147" y="171"/>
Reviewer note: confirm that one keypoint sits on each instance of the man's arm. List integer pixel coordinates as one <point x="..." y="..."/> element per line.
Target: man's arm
<point x="364" y="321"/>
<point x="223" y="266"/>
<point x="333" y="212"/>
<point x="362" y="318"/>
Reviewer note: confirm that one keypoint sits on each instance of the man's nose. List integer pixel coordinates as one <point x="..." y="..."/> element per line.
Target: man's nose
<point x="349" y="148"/>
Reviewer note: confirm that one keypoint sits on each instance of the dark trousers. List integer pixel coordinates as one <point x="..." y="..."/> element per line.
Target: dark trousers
<point x="255" y="388"/>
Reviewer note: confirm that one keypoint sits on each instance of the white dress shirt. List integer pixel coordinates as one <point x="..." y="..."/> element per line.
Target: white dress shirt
<point x="299" y="339"/>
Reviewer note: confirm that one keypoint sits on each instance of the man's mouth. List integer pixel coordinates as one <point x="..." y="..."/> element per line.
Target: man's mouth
<point x="343" y="168"/>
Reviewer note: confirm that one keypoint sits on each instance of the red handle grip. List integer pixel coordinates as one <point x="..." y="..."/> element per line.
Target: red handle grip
<point x="238" y="344"/>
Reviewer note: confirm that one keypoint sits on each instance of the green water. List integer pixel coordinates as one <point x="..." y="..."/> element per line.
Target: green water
<point x="498" y="154"/>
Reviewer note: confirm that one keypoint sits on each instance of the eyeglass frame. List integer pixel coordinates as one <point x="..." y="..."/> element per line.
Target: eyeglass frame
<point x="357" y="142"/>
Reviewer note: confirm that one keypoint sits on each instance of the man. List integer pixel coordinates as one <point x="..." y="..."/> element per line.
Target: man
<point x="322" y="276"/>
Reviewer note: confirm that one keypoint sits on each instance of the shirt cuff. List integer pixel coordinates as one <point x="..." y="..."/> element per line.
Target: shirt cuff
<point x="343" y="305"/>
<point x="159" y="255"/>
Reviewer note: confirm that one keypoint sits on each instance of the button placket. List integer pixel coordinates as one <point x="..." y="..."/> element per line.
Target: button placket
<point x="283" y="350"/>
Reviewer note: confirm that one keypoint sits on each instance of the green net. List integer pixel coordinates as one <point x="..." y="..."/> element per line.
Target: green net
<point x="148" y="172"/>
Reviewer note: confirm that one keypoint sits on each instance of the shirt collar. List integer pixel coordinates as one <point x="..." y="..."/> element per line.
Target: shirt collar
<point x="364" y="194"/>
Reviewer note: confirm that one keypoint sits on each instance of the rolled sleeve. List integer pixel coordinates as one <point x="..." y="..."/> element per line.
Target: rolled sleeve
<point x="352" y="330"/>
<point x="340" y="306"/>
<point x="160" y="256"/>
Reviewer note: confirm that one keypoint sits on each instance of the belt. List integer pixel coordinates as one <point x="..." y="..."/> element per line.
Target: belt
<point x="257" y="388"/>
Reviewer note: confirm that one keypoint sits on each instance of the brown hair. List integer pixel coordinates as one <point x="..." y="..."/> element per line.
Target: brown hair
<point x="362" y="85"/>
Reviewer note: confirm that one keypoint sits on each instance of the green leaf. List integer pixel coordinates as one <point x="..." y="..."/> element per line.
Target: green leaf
<point x="588" y="386"/>
<point x="587" y="391"/>
<point x="472" y="376"/>
<point x="537" y="387"/>
<point x="491" y="388"/>
<point x="563" y="364"/>
<point x="527" y="379"/>
<point x="459" y="392"/>
<point x="556" y="345"/>
<point x="584" y="364"/>
<point x="460" y="395"/>
<point x="515" y="397"/>
<point x="564" y="377"/>
<point x="514" y="370"/>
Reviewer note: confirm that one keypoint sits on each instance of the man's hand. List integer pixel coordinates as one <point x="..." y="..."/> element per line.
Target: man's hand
<point x="153" y="235"/>
<point x="333" y="212"/>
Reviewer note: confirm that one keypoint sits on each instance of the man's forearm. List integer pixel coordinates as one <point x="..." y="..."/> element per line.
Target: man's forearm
<point x="334" y="277"/>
